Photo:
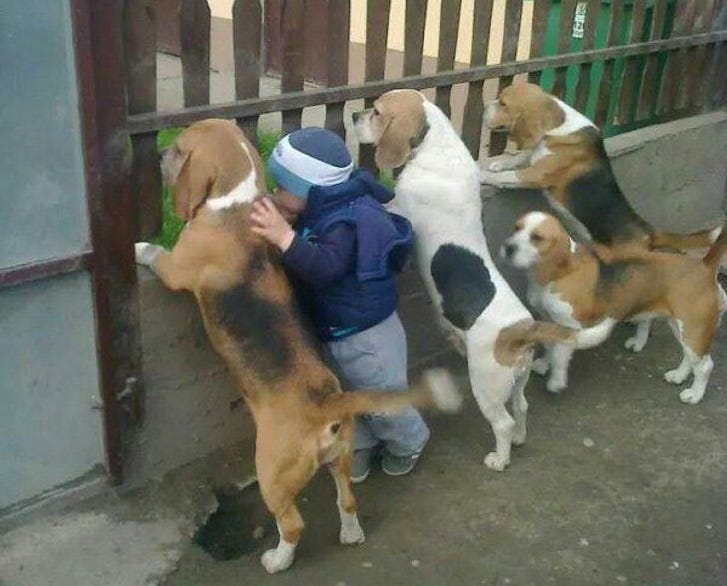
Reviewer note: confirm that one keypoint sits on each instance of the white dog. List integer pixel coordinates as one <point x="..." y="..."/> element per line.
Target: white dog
<point x="438" y="190"/>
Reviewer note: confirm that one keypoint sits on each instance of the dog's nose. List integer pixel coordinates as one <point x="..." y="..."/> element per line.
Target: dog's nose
<point x="508" y="250"/>
<point x="356" y="116"/>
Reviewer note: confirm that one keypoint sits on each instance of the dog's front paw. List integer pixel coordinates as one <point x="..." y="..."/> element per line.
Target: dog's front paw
<point x="676" y="376"/>
<point x="497" y="166"/>
<point x="541" y="366"/>
<point x="555" y="385"/>
<point x="495" y="461"/>
<point x="352" y="533"/>
<point x="691" y="396"/>
<point x="146" y="253"/>
<point x="278" y="559"/>
<point x="635" y="343"/>
<point x="489" y="177"/>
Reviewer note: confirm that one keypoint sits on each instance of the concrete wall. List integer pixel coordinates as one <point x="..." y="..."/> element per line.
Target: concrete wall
<point x="674" y="173"/>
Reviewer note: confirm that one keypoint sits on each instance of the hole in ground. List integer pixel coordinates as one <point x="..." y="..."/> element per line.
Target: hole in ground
<point x="238" y="526"/>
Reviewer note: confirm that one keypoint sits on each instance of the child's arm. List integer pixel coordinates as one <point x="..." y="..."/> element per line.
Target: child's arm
<point x="316" y="264"/>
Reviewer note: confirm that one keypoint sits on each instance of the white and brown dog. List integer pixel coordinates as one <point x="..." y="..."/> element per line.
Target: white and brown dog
<point x="574" y="287"/>
<point x="437" y="189"/>
<point x="562" y="153"/>
<point x="303" y="419"/>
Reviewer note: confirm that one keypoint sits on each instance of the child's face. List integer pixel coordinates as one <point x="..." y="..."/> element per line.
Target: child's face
<point x="289" y="205"/>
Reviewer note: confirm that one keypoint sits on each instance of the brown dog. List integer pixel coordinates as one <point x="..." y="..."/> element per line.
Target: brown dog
<point x="562" y="153"/>
<point x="303" y="419"/>
<point x="576" y="288"/>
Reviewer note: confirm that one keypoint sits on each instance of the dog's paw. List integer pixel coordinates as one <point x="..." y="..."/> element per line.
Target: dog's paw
<point x="541" y="366"/>
<point x="497" y="166"/>
<point x="494" y="461"/>
<point x="351" y="533"/>
<point x="518" y="438"/>
<point x="691" y="396"/>
<point x="488" y="177"/>
<point x="146" y="253"/>
<point x="278" y="559"/>
<point x="676" y="376"/>
<point x="635" y="344"/>
<point x="555" y="386"/>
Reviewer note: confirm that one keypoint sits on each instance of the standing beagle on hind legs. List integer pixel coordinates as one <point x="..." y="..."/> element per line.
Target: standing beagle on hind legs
<point x="577" y="289"/>
<point x="303" y="420"/>
<point x="437" y="190"/>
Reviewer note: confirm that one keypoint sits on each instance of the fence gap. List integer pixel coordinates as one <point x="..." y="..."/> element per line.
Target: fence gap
<point x="146" y="182"/>
<point x="448" y="32"/>
<point x="511" y="34"/>
<point x="194" y="35"/>
<point x="474" y="108"/>
<point x="337" y="39"/>
<point x="377" y="34"/>
<point x="246" y="39"/>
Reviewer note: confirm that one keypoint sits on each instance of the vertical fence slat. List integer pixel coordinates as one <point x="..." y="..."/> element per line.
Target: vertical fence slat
<point x="604" y="91"/>
<point x="624" y="113"/>
<point x="140" y="52"/>
<point x="246" y="38"/>
<point x="448" y="30"/>
<point x="649" y="90"/>
<point x="377" y="34"/>
<point x="716" y="60"/>
<point x="541" y="11"/>
<point x="565" y="26"/>
<point x="695" y="58"/>
<point x="513" y="14"/>
<point x="414" y="22"/>
<point x="337" y="32"/>
<point x="666" y="101"/>
<point x="473" y="109"/>
<point x="293" y="58"/>
<point x="194" y="35"/>
<point x="683" y="66"/>
<point x="583" y="87"/>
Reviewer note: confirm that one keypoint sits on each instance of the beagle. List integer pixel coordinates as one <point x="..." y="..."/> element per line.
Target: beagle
<point x="562" y="152"/>
<point x="302" y="417"/>
<point x="577" y="289"/>
<point x="438" y="191"/>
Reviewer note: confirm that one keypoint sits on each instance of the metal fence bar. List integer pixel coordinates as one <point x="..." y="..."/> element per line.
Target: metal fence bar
<point x="448" y="33"/>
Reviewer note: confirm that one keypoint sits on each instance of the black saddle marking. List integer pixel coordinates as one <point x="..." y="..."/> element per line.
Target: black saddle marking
<point x="464" y="283"/>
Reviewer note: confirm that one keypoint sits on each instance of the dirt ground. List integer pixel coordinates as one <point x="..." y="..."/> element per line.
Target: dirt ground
<point x="618" y="483"/>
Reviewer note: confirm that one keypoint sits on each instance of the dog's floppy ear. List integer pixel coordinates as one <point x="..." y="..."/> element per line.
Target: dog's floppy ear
<point x="535" y="119"/>
<point x="196" y="176"/>
<point x="394" y="146"/>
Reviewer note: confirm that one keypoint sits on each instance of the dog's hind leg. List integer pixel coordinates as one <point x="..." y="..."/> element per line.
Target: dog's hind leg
<point x="351" y="532"/>
<point x="520" y="408"/>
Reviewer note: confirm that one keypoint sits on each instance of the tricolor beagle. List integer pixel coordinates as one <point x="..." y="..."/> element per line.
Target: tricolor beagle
<point x="303" y="419"/>
<point x="577" y="289"/>
<point x="438" y="191"/>
<point x="562" y="153"/>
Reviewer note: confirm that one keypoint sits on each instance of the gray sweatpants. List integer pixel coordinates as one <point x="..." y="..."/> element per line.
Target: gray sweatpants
<point x="376" y="359"/>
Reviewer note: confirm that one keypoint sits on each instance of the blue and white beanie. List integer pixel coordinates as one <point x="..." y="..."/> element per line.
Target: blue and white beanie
<point x="307" y="157"/>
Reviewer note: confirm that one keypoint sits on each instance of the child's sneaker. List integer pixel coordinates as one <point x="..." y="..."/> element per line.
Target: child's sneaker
<point x="361" y="465"/>
<point x="399" y="465"/>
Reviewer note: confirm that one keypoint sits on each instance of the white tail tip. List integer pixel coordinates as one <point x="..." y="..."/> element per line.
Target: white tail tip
<point x="445" y="394"/>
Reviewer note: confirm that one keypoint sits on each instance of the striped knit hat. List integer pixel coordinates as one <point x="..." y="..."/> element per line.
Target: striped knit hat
<point x="308" y="157"/>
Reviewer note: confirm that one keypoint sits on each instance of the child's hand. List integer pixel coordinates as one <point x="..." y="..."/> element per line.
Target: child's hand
<point x="270" y="224"/>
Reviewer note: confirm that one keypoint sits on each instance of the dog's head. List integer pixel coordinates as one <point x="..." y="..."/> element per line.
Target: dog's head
<point x="526" y="112"/>
<point x="537" y="237"/>
<point x="395" y="125"/>
<point x="208" y="159"/>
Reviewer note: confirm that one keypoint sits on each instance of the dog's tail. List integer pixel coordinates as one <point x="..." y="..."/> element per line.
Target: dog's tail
<point x="513" y="341"/>
<point x="718" y="250"/>
<point x="436" y="389"/>
<point x="685" y="241"/>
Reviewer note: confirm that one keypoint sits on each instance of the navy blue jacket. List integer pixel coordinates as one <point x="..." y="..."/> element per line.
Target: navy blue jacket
<point x="345" y="253"/>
